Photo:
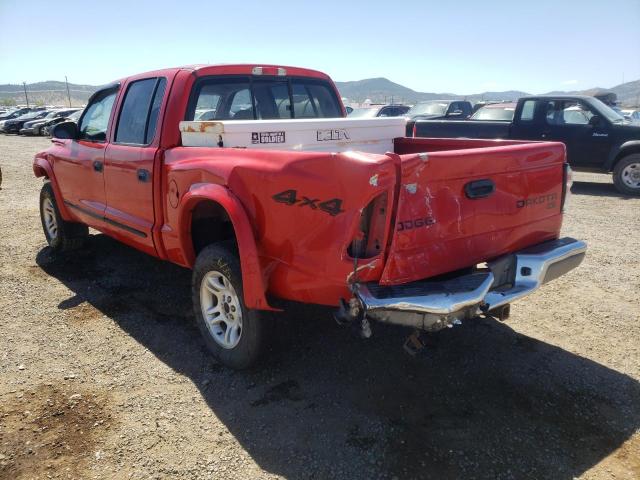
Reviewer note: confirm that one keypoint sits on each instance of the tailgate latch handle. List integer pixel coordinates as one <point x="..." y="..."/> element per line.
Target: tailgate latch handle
<point x="479" y="188"/>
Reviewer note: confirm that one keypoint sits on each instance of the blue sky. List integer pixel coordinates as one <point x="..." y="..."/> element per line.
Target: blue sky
<point x="440" y="46"/>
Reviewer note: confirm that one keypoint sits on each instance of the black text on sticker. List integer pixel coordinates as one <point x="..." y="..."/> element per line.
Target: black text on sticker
<point x="332" y="135"/>
<point x="267" y="137"/>
<point x="415" y="223"/>
<point x="548" y="200"/>
<point x="290" y="197"/>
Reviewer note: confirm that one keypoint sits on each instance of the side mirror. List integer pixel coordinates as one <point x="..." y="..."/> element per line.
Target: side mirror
<point x="65" y="130"/>
<point x="595" y="121"/>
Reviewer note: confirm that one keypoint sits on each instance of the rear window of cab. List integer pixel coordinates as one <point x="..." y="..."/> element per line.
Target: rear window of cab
<point x="250" y="98"/>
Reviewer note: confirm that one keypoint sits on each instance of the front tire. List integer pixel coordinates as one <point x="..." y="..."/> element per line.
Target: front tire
<point x="233" y="333"/>
<point x="60" y="234"/>
<point x="626" y="175"/>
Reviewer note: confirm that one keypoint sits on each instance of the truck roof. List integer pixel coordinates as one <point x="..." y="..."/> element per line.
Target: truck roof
<point x="561" y="97"/>
<point x="236" y="69"/>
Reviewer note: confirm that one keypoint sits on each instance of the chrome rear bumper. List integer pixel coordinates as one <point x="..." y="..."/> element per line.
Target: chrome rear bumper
<point x="432" y="305"/>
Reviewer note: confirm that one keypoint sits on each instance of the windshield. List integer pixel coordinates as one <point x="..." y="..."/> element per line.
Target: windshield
<point x="608" y="112"/>
<point x="429" y="108"/>
<point x="493" y="113"/>
<point x="29" y="115"/>
<point x="75" y="116"/>
<point x="364" y="112"/>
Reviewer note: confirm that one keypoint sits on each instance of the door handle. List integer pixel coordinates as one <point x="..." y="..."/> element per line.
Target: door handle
<point x="480" y="189"/>
<point x="143" y="175"/>
<point x="97" y="166"/>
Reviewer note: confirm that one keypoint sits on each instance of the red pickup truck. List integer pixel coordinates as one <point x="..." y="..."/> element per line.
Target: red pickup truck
<point x="251" y="176"/>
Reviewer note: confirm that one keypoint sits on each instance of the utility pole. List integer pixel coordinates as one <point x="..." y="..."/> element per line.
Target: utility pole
<point x="68" y="94"/>
<point x="24" y="84"/>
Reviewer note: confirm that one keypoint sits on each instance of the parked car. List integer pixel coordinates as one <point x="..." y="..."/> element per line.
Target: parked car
<point x="274" y="208"/>
<point x="14" y="125"/>
<point x="14" y="113"/>
<point x="495" y="111"/>
<point x="207" y="114"/>
<point x="633" y="115"/>
<point x="596" y="137"/>
<point x="34" y="127"/>
<point x="391" y="110"/>
<point x="73" y="117"/>
<point x="436" y="109"/>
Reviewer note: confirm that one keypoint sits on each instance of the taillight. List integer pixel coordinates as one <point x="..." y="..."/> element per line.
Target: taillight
<point x="414" y="130"/>
<point x="369" y="240"/>
<point x="567" y="183"/>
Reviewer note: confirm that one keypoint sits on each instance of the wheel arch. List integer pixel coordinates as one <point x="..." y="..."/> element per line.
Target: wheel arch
<point x="627" y="148"/>
<point x="211" y="205"/>
<point x="42" y="169"/>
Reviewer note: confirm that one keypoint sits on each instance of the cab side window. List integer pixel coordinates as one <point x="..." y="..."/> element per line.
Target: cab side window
<point x="567" y="112"/>
<point x="139" y="112"/>
<point x="575" y="113"/>
<point x="95" y="120"/>
<point x="553" y="112"/>
<point x="528" y="109"/>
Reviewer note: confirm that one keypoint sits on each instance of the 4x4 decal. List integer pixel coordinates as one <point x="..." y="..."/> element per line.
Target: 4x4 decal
<point x="290" y="197"/>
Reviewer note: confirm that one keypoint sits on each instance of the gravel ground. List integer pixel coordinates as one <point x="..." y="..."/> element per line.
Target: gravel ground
<point x="104" y="374"/>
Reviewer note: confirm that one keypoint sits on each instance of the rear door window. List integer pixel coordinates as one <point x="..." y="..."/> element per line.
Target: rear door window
<point x="154" y="113"/>
<point x="139" y="112"/>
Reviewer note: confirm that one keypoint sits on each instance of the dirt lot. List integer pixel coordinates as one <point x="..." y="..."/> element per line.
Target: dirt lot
<point x="104" y="374"/>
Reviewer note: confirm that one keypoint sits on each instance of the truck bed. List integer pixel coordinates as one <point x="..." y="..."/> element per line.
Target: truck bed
<point x="438" y="226"/>
<point x="460" y="129"/>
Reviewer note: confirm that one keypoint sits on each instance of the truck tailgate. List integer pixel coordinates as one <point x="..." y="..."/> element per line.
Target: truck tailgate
<point x="447" y="217"/>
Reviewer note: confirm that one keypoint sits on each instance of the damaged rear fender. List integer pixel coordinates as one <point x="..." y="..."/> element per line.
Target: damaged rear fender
<point x="252" y="281"/>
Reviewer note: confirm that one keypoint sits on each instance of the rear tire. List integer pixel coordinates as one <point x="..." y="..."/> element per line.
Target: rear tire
<point x="626" y="175"/>
<point x="61" y="235"/>
<point x="233" y="333"/>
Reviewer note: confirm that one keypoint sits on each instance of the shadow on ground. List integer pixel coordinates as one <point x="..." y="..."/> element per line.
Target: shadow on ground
<point x="485" y="402"/>
<point x="597" y="189"/>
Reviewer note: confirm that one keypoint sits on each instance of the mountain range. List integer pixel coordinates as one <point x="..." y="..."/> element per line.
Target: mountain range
<point x="383" y="90"/>
<point x="46" y="93"/>
<point x="378" y="90"/>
